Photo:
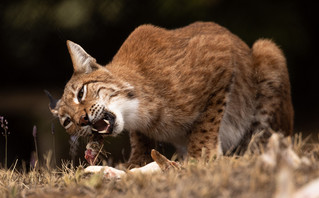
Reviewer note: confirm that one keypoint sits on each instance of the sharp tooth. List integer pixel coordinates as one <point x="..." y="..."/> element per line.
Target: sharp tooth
<point x="106" y="121"/>
<point x="104" y="131"/>
<point x="93" y="129"/>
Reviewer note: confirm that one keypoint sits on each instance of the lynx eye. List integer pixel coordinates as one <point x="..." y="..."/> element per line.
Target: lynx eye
<point x="82" y="93"/>
<point x="67" y="122"/>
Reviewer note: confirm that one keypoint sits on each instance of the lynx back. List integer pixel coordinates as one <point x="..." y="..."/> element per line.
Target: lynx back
<point x="196" y="87"/>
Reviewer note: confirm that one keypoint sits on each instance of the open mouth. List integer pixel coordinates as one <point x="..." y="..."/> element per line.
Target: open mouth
<point x="104" y="125"/>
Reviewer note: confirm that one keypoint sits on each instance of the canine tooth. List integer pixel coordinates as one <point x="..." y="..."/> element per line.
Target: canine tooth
<point x="104" y="131"/>
<point x="106" y="121"/>
<point x="93" y="129"/>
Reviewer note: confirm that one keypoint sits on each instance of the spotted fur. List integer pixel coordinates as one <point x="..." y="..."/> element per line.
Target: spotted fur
<point x="196" y="87"/>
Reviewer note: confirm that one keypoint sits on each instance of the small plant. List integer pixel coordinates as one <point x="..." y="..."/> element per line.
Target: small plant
<point x="34" y="133"/>
<point x="53" y="144"/>
<point x="5" y="133"/>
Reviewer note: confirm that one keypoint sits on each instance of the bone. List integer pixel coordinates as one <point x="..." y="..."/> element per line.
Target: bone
<point x="161" y="163"/>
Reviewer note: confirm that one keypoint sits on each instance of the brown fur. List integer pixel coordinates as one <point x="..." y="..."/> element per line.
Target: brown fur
<point x="197" y="87"/>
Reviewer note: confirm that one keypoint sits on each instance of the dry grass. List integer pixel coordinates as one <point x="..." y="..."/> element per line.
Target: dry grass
<point x="246" y="176"/>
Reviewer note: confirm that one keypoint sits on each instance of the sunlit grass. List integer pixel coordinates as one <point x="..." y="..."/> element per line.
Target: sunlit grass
<point x="234" y="176"/>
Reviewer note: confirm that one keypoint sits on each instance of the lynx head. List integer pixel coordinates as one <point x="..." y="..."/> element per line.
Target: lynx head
<point x="94" y="101"/>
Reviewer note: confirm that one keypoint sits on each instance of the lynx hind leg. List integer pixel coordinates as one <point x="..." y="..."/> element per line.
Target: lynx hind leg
<point x="274" y="109"/>
<point x="204" y="134"/>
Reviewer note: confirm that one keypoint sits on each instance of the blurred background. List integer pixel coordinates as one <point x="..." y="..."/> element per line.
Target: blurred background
<point x="34" y="57"/>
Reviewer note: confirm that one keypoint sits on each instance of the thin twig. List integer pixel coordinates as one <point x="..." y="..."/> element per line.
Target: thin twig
<point x="100" y="151"/>
<point x="53" y="142"/>
<point x="35" y="144"/>
<point x="15" y="164"/>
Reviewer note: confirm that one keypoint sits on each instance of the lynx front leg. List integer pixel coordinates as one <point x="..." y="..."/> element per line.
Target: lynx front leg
<point x="141" y="147"/>
<point x="205" y="132"/>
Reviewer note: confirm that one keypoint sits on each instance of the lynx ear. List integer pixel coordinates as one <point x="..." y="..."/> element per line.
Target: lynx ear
<point x="53" y="105"/>
<point x="82" y="61"/>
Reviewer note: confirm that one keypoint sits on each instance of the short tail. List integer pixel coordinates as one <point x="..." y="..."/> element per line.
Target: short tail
<point x="274" y="107"/>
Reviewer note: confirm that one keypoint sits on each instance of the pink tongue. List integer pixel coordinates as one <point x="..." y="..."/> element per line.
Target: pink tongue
<point x="100" y="125"/>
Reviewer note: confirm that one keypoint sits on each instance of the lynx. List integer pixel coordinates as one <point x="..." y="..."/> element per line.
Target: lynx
<point x="199" y="87"/>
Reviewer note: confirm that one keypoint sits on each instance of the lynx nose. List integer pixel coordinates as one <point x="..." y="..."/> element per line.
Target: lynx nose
<point x="84" y="120"/>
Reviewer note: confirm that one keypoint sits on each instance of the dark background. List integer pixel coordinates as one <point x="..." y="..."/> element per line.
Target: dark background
<point x="33" y="54"/>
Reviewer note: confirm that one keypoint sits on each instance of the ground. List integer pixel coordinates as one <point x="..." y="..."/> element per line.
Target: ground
<point x="283" y="169"/>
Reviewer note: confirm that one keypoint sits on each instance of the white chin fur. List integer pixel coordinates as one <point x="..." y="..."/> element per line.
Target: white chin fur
<point x="126" y="112"/>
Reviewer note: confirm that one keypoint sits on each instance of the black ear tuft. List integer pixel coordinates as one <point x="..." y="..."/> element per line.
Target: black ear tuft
<point x="53" y="101"/>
